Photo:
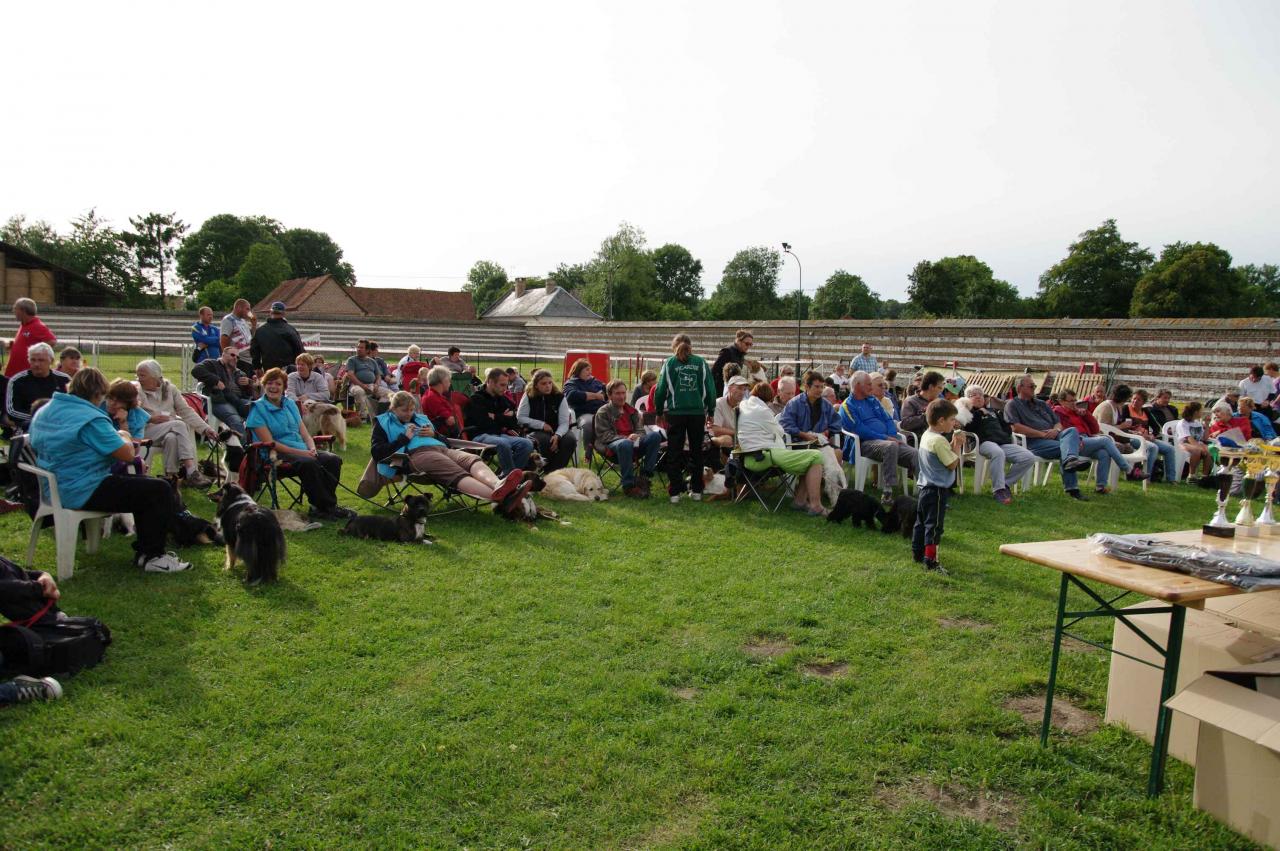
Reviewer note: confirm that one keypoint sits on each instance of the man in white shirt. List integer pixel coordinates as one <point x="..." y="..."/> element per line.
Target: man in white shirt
<point x="1257" y="386"/>
<point x="724" y="424"/>
<point x="237" y="329"/>
<point x="841" y="379"/>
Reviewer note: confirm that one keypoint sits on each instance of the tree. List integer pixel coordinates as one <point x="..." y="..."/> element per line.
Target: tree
<point x="313" y="253"/>
<point x="40" y="238"/>
<point x="677" y="276"/>
<point x="1261" y="289"/>
<point x="221" y="246"/>
<point x="962" y="287"/>
<point x="219" y="295"/>
<point x="96" y="250"/>
<point x="748" y="287"/>
<point x="1193" y="279"/>
<point x="621" y="279"/>
<point x="891" y="308"/>
<point x="262" y="271"/>
<point x="487" y="282"/>
<point x="845" y="296"/>
<point x="152" y="242"/>
<point x="787" y="305"/>
<point x="1097" y="277"/>
<point x="572" y="278"/>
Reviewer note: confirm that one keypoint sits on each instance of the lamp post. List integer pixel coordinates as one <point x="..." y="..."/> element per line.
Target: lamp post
<point x="786" y="249"/>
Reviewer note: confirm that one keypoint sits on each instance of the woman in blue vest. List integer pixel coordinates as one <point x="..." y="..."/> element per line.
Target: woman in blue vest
<point x="275" y="419"/>
<point x="76" y="441"/>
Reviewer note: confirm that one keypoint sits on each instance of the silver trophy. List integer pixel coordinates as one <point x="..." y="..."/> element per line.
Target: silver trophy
<point x="1220" y="526"/>
<point x="1266" y="521"/>
<point x="1250" y="489"/>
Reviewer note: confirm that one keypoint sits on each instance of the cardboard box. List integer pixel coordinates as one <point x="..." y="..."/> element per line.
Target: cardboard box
<point x="1238" y="753"/>
<point x="1257" y="612"/>
<point x="1208" y="643"/>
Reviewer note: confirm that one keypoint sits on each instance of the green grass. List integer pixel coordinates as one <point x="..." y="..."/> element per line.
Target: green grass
<point x="516" y="687"/>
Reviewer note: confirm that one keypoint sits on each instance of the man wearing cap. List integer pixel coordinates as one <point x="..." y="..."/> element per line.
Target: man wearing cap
<point x="276" y="344"/>
<point x="913" y="418"/>
<point x="724" y="423"/>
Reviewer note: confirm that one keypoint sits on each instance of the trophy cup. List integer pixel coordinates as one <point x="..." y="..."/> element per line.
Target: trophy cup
<point x="1244" y="522"/>
<point x="1220" y="526"/>
<point x="1266" y="521"/>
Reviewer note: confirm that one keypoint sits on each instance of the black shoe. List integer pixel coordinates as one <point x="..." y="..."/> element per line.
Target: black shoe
<point x="1135" y="475"/>
<point x="1074" y="462"/>
<point x="931" y="565"/>
<point x="1075" y="494"/>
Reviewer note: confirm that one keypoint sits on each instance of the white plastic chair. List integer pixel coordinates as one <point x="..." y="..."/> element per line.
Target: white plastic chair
<point x="66" y="524"/>
<point x="980" y="463"/>
<point x="1169" y="431"/>
<point x="862" y="464"/>
<point x="1033" y="476"/>
<point x="1134" y="456"/>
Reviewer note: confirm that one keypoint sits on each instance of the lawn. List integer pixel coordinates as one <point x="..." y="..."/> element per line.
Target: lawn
<point x="633" y="677"/>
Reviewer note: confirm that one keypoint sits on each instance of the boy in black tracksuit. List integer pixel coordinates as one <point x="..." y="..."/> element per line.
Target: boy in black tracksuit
<point x="938" y="460"/>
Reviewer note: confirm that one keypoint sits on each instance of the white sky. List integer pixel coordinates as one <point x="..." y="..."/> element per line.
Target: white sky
<point x="870" y="135"/>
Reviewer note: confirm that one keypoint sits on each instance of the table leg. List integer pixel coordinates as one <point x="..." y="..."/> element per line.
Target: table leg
<point x="1164" y="715"/>
<point x="1053" y="664"/>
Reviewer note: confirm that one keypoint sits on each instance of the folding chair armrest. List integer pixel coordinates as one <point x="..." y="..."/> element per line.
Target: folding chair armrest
<point x="325" y="439"/>
<point x="469" y="445"/>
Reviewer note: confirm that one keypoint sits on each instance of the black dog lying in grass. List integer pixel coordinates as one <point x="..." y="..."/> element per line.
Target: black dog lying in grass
<point x="900" y="517"/>
<point x="408" y="527"/>
<point x="864" y="510"/>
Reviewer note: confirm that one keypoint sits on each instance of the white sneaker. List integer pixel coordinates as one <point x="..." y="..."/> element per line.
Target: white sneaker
<point x="166" y="563"/>
<point x="695" y="496"/>
<point x="675" y="499"/>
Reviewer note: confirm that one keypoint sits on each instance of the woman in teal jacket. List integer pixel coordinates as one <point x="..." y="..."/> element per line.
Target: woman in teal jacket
<point x="686" y="393"/>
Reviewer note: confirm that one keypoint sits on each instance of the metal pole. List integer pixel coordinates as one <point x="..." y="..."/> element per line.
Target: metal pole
<point x="786" y="249"/>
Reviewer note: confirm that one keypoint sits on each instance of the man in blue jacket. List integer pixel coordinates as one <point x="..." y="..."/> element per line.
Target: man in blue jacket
<point x="862" y="414"/>
<point x="207" y="337"/>
<point x="808" y="416"/>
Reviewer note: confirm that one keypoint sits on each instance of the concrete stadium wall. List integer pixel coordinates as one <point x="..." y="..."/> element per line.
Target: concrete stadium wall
<point x="1193" y="357"/>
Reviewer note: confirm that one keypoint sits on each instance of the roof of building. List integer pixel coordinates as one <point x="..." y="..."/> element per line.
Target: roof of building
<point x="538" y="302"/>
<point x="295" y="292"/>
<point x="74" y="288"/>
<point x="378" y="301"/>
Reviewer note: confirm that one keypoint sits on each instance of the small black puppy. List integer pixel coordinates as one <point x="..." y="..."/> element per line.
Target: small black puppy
<point x="190" y="529"/>
<point x="900" y="517"/>
<point x="857" y="506"/>
<point x="408" y="527"/>
<point x="251" y="533"/>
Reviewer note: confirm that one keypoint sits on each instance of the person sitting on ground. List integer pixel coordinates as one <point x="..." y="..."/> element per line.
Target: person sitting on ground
<point x="724" y="422"/>
<point x="1189" y="432"/>
<point x="586" y="395"/>
<point x="75" y="440"/>
<point x="275" y="419"/>
<point x="785" y="392"/>
<point x="648" y="380"/>
<point x="809" y="418"/>
<point x="1224" y="420"/>
<point x="1117" y="412"/>
<point x="862" y="414"/>
<point x="545" y="412"/>
<point x="880" y="389"/>
<point x="130" y="421"/>
<point x="404" y="431"/>
<point x="453" y="360"/>
<point x="763" y="445"/>
<point x="229" y="389"/>
<point x="205" y="337"/>
<point x="306" y="385"/>
<point x="1046" y="436"/>
<point x="786" y="371"/>
<point x="685" y="396"/>
<point x="1161" y="411"/>
<point x="995" y="443"/>
<point x="913" y="418"/>
<point x="436" y="404"/>
<point x="173" y="425"/>
<point x="69" y="361"/>
<point x="26" y="594"/>
<point x="491" y="419"/>
<point x="620" y="431"/>
<point x="1258" y="422"/>
<point x="1072" y="415"/>
<point x="38" y="381"/>
<point x="364" y="377"/>
<point x="735" y="352"/>
<point x="939" y="459"/>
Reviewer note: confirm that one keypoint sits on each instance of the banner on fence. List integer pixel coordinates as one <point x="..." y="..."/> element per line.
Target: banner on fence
<point x="311" y="342"/>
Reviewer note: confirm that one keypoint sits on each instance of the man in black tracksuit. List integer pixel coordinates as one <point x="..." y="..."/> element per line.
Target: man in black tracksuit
<point x="276" y="343"/>
<point x="736" y="353"/>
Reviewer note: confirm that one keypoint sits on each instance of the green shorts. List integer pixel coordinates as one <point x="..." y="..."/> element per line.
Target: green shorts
<point x="793" y="461"/>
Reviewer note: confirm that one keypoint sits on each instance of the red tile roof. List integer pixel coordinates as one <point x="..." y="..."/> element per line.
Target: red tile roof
<point x="294" y="293"/>
<point x="415" y="304"/>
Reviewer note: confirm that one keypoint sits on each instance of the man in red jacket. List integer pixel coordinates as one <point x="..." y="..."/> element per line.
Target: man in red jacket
<point x="30" y="332"/>
<point x="1073" y="415"/>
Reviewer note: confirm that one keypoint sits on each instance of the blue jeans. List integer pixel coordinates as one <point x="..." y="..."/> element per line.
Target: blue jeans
<point x="1165" y="451"/>
<point x="1064" y="446"/>
<point x="1104" y="451"/>
<point x="625" y="450"/>
<point x="232" y="415"/>
<point x="8" y="693"/>
<point x="513" y="452"/>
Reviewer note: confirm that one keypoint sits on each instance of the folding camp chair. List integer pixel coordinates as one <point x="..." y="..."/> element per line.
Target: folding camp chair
<point x="763" y="485"/>
<point x="270" y="474"/>
<point x="449" y="501"/>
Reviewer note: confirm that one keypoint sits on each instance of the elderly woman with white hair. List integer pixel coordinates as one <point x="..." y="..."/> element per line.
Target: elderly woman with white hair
<point x="173" y="425"/>
<point x="995" y="442"/>
<point x="38" y="381"/>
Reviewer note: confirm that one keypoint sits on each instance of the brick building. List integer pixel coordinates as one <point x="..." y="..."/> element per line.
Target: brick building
<point x="323" y="296"/>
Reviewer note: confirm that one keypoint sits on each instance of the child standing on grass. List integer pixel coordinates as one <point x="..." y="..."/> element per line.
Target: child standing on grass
<point x="939" y="459"/>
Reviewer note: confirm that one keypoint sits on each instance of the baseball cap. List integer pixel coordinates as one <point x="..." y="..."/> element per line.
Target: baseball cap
<point x="738" y="379"/>
<point x="277" y="307"/>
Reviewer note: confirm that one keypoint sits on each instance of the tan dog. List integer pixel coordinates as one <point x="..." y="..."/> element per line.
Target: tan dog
<point x="324" y="418"/>
<point x="573" y="484"/>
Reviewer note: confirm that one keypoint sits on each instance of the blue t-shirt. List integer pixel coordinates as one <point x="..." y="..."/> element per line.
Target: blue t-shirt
<point x="136" y="419"/>
<point x="283" y="421"/>
<point x="74" y="439"/>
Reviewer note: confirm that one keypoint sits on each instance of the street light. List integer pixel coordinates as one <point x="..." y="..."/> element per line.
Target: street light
<point x="786" y="249"/>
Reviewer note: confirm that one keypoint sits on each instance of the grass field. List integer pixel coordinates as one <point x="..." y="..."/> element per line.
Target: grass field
<point x="635" y="678"/>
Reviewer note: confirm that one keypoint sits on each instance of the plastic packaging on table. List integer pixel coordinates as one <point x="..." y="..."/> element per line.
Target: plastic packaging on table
<point x="1244" y="570"/>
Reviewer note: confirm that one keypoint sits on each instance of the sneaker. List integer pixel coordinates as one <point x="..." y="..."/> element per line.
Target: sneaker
<point x="165" y="563"/>
<point x="1102" y="490"/>
<point x="335" y="513"/>
<point x="1003" y="496"/>
<point x="636" y="492"/>
<point x="1074" y="462"/>
<point x="933" y="566"/>
<point x="1075" y="494"/>
<point x="1135" y="475"/>
<point x="508" y="486"/>
<point x="695" y="496"/>
<point x="675" y="499"/>
<point x="30" y="688"/>
<point x="196" y="479"/>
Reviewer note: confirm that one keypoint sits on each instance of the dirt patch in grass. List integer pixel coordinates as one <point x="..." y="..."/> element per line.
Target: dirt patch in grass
<point x="825" y="670"/>
<point x="986" y="806"/>
<point x="1067" y="717"/>
<point x="768" y="647"/>
<point x="971" y="624"/>
<point x="686" y="693"/>
<point x="679" y="827"/>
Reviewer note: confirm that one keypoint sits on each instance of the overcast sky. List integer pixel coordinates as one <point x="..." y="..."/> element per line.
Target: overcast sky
<point x="424" y="137"/>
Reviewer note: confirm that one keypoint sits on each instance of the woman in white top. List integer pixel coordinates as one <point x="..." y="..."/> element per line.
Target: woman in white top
<point x="1189" y="432"/>
<point x="764" y="445"/>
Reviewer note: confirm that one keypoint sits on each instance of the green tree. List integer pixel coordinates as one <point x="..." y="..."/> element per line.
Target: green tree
<point x="221" y="245"/>
<point x="986" y="297"/>
<point x="39" y="237"/>
<point x="572" y="278"/>
<point x="1189" y="279"/>
<point x="960" y="286"/>
<point x="891" y="308"/>
<point x="219" y="295"/>
<point x="313" y="253"/>
<point x="621" y="279"/>
<point x="487" y="282"/>
<point x="153" y="243"/>
<point x="1097" y="277"/>
<point x="748" y="287"/>
<point x="1261" y="286"/>
<point x="845" y="295"/>
<point x="677" y="276"/>
<point x="787" y="305"/>
<point x="262" y="271"/>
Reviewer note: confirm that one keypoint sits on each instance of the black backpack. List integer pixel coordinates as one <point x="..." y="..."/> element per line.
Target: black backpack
<point x="60" y="649"/>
